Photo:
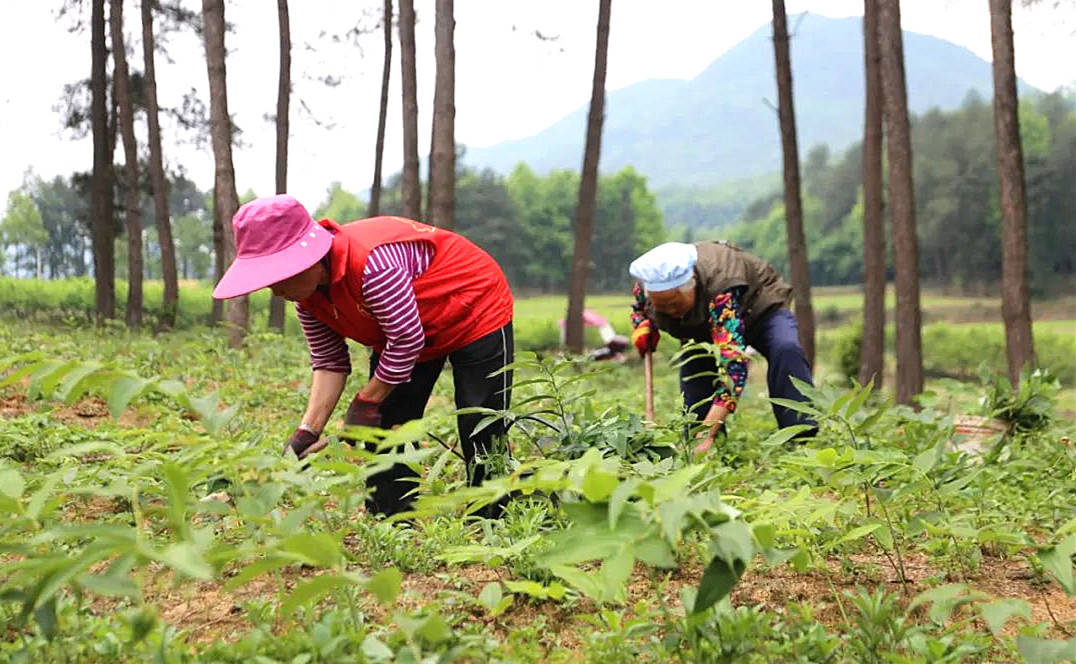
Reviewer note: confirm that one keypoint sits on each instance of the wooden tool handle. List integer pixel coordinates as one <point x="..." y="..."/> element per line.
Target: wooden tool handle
<point x="648" y="379"/>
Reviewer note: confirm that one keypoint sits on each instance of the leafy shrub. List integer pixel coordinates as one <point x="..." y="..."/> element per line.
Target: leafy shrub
<point x="1027" y="408"/>
<point x="846" y="349"/>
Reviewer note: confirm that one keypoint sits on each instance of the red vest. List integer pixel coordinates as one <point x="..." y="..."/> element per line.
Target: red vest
<point x="462" y="296"/>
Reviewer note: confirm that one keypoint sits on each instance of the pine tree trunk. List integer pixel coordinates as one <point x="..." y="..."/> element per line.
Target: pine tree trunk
<point x="104" y="267"/>
<point x="797" y="242"/>
<point x="156" y="169"/>
<point x="1015" y="291"/>
<point x="901" y="204"/>
<point x="872" y="351"/>
<point x="379" y="150"/>
<point x="588" y="188"/>
<point x="130" y="167"/>
<point x="283" y="93"/>
<point x="410" y="186"/>
<point x="440" y="207"/>
<point x="225" y="199"/>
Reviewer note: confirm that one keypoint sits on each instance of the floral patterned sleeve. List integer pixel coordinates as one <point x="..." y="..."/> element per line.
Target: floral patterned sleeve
<point x="726" y="328"/>
<point x="638" y="307"/>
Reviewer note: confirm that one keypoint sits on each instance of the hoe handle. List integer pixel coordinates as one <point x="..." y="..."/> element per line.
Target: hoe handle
<point x="648" y="384"/>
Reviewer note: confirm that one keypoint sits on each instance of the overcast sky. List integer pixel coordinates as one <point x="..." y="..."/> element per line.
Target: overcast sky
<point x="509" y="83"/>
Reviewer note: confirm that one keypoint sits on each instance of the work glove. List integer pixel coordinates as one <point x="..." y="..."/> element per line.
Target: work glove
<point x="645" y="337"/>
<point x="363" y="412"/>
<point x="304" y="442"/>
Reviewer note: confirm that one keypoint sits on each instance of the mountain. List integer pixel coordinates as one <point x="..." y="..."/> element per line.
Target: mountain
<point x="719" y="126"/>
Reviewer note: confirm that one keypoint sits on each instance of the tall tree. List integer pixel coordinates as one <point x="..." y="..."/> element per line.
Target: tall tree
<point x="1015" y="293"/>
<point x="132" y="201"/>
<point x="412" y="189"/>
<point x="797" y="243"/>
<point x="283" y="97"/>
<point x="225" y="198"/>
<point x="162" y="217"/>
<point x="441" y="205"/>
<point x="871" y="362"/>
<point x="901" y="203"/>
<point x="379" y="150"/>
<point x="588" y="187"/>
<point x="104" y="267"/>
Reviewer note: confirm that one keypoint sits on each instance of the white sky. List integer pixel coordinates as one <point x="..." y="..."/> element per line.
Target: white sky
<point x="509" y="84"/>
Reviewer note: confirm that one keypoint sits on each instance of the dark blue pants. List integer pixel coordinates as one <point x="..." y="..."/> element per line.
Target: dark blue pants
<point x="777" y="338"/>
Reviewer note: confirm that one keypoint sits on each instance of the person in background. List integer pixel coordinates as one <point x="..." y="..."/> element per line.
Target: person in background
<point x="715" y="292"/>
<point x="415" y="294"/>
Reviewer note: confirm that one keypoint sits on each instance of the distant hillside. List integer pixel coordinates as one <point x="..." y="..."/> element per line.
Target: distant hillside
<point x="717" y="126"/>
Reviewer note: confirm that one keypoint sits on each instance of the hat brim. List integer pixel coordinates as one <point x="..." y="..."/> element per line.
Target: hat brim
<point x="246" y="275"/>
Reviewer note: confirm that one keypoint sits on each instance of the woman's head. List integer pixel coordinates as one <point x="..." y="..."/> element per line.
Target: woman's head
<point x="277" y="245"/>
<point x="667" y="272"/>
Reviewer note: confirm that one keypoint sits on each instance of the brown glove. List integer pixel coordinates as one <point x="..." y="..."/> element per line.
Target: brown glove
<point x="304" y="442"/>
<point x="363" y="412"/>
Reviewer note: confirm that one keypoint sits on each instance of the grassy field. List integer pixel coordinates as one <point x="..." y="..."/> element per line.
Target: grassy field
<point x="148" y="515"/>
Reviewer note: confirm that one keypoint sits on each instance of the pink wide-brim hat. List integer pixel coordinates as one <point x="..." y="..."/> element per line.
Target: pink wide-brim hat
<point x="275" y="238"/>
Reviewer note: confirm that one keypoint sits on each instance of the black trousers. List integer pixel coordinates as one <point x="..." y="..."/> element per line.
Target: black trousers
<point x="473" y="386"/>
<point x="777" y="338"/>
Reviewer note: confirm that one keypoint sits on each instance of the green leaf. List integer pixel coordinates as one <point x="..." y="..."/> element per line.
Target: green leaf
<point x="434" y="629"/>
<point x="11" y="483"/>
<point x="997" y="613"/>
<point x="109" y="585"/>
<point x="385" y="585"/>
<point x="313" y="590"/>
<point x="945" y="599"/>
<point x="717" y="582"/>
<point x="1043" y="651"/>
<point x="491" y="595"/>
<point x="619" y="499"/>
<point x="598" y="484"/>
<point x="1058" y="560"/>
<point x="45" y="615"/>
<point x="75" y="383"/>
<point x="860" y="532"/>
<point x="254" y="570"/>
<point x="184" y="558"/>
<point x="176" y="490"/>
<point x="319" y="549"/>
<point x="798" y="406"/>
<point x="655" y="551"/>
<point x="580" y="580"/>
<point x="37" y="500"/>
<point x="534" y="589"/>
<point x="122" y="390"/>
<point x="78" y="449"/>
<point x="782" y="436"/>
<point x="374" y="650"/>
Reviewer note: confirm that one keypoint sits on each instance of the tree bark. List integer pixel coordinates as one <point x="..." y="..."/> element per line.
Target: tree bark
<point x="872" y="351"/>
<point x="156" y="169"/>
<point x="130" y="166"/>
<point x="379" y="150"/>
<point x="283" y="94"/>
<point x="1015" y="291"/>
<point x="104" y="267"/>
<point x="588" y="187"/>
<point x="225" y="199"/>
<point x="440" y="206"/>
<point x="797" y="242"/>
<point x="410" y="185"/>
<point x="901" y="203"/>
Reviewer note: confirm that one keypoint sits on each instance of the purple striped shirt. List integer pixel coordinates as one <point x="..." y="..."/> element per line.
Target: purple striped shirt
<point x="388" y="292"/>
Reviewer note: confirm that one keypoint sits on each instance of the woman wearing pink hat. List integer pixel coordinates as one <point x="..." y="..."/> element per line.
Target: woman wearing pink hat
<point x="413" y="293"/>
